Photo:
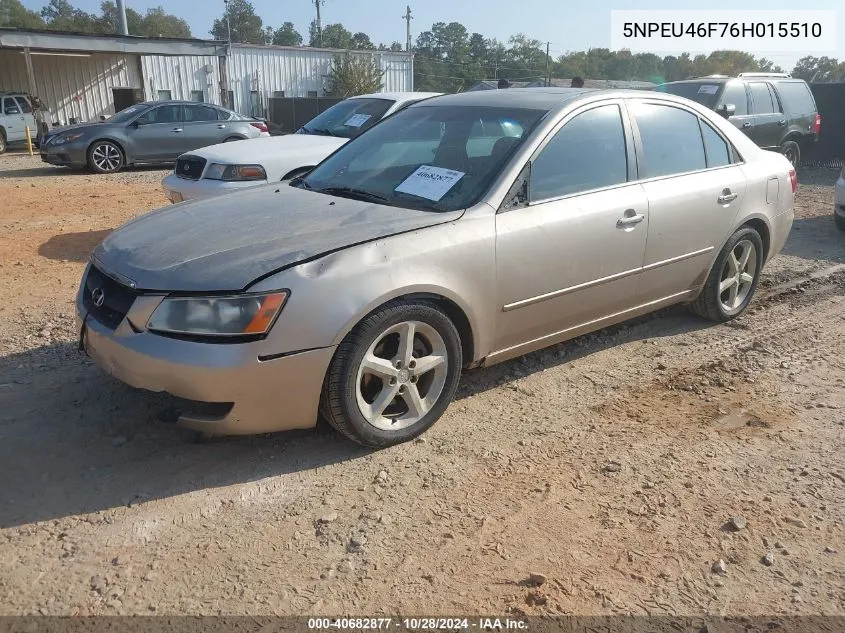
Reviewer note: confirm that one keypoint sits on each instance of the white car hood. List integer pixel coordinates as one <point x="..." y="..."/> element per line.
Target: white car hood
<point x="277" y="154"/>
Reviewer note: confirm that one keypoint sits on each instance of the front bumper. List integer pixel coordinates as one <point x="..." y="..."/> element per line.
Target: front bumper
<point x="839" y="197"/>
<point x="266" y="396"/>
<point x="179" y="189"/>
<point x="67" y="155"/>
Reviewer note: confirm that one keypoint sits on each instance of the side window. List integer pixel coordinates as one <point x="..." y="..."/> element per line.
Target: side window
<point x="796" y="96"/>
<point x="671" y="140"/>
<point x="9" y="106"/>
<point x="162" y="114"/>
<point x="586" y="153"/>
<point x="223" y="115"/>
<point x="718" y="153"/>
<point x="776" y="105"/>
<point x="23" y="104"/>
<point x="762" y="98"/>
<point x="735" y="94"/>
<point x="200" y="113"/>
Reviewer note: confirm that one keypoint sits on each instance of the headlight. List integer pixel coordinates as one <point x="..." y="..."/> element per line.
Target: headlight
<point x="67" y="138"/>
<point x="218" y="316"/>
<point x="236" y="173"/>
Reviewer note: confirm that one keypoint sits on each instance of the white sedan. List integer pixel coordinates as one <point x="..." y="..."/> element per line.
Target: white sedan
<point x="839" y="203"/>
<point x="222" y="168"/>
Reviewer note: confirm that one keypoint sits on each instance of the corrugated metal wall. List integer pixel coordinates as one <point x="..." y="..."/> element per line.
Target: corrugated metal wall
<point x="300" y="72"/>
<point x="72" y="86"/>
<point x="182" y="76"/>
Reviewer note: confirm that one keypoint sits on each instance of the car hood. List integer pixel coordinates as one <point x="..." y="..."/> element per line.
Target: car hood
<point x="78" y="127"/>
<point x="227" y="242"/>
<point x="261" y="150"/>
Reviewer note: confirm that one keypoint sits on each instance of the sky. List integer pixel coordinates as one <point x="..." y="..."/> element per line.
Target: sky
<point x="567" y="24"/>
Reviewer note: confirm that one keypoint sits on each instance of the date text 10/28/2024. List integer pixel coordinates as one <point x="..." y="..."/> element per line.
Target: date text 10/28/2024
<point x="418" y="624"/>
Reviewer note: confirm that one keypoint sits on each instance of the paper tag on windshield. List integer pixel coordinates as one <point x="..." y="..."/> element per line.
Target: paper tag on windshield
<point x="357" y="120"/>
<point x="708" y="89"/>
<point x="430" y="182"/>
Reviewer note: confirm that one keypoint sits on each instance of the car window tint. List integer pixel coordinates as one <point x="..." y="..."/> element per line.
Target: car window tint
<point x="586" y="153"/>
<point x="761" y="98"/>
<point x="735" y="94"/>
<point x="23" y="104"/>
<point x="163" y="114"/>
<point x="671" y="140"/>
<point x="9" y="105"/>
<point x="796" y="96"/>
<point x="718" y="154"/>
<point x="223" y="115"/>
<point x="200" y="113"/>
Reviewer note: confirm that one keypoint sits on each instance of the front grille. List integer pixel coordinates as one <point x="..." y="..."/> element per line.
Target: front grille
<point x="189" y="167"/>
<point x="117" y="298"/>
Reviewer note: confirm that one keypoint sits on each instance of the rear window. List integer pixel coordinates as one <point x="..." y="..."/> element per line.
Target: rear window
<point x="796" y="97"/>
<point x="705" y="93"/>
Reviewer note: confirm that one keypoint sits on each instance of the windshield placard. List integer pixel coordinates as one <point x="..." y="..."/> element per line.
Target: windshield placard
<point x="708" y="89"/>
<point x="431" y="183"/>
<point x="357" y="120"/>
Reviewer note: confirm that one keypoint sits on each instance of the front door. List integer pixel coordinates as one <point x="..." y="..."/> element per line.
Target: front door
<point x="769" y="121"/>
<point x="12" y="120"/>
<point x="158" y="134"/>
<point x="694" y="191"/>
<point x="572" y="254"/>
<point x="735" y="94"/>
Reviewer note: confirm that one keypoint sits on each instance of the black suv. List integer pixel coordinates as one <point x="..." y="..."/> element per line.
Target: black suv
<point x="774" y="110"/>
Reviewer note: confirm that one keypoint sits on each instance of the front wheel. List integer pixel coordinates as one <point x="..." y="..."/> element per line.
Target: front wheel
<point x="393" y="375"/>
<point x="104" y="157"/>
<point x="733" y="278"/>
<point x="792" y="151"/>
<point x="840" y="221"/>
<point x="2" y="141"/>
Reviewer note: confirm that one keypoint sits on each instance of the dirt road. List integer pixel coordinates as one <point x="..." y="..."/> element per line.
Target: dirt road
<point x="612" y="464"/>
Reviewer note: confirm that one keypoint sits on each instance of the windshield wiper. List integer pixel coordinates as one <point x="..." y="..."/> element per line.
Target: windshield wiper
<point x="322" y="131"/>
<point x="355" y="194"/>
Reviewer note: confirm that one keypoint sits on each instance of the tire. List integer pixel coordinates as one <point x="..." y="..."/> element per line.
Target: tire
<point x="105" y="157"/>
<point x="840" y="221"/>
<point x="391" y="399"/>
<point x="724" y="305"/>
<point x="3" y="145"/>
<point x="792" y="151"/>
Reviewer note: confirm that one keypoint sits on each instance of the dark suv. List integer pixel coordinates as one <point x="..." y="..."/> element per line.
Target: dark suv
<point x="776" y="111"/>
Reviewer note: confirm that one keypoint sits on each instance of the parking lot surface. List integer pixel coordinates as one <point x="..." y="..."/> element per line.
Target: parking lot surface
<point x="667" y="465"/>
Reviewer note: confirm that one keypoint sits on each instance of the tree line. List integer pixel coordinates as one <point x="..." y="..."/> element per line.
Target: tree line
<point x="448" y="58"/>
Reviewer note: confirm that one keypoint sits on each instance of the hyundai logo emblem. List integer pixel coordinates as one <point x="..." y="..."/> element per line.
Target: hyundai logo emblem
<point x="98" y="296"/>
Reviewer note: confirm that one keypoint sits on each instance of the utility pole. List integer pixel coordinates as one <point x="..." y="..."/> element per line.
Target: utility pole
<point x="407" y="17"/>
<point x="548" y="66"/>
<point x="121" y="17"/>
<point x="319" y="23"/>
<point x="228" y="25"/>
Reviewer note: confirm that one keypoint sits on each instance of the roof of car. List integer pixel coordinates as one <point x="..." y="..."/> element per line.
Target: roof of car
<point x="398" y="96"/>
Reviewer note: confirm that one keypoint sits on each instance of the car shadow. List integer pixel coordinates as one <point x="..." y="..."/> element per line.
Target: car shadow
<point x="74" y="441"/>
<point x="74" y="247"/>
<point x="45" y="170"/>
<point x="816" y="238"/>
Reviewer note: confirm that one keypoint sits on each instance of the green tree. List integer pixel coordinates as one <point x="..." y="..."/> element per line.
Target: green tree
<point x="287" y="35"/>
<point x="819" y="69"/>
<point x="354" y="75"/>
<point x="60" y="15"/>
<point x="362" y="41"/>
<point x="245" y="23"/>
<point x="14" y="14"/>
<point x="158" y="23"/>
<point x="334" y="36"/>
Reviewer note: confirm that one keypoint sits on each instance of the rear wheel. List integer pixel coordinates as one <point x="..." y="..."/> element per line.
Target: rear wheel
<point x="2" y="141"/>
<point x="105" y="157"/>
<point x="792" y="151"/>
<point x="840" y="221"/>
<point x="733" y="278"/>
<point x="393" y="376"/>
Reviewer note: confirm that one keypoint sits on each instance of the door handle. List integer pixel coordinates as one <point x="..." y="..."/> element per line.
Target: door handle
<point x="221" y="127"/>
<point x="746" y="124"/>
<point x="727" y="196"/>
<point x="176" y="129"/>
<point x="782" y="122"/>
<point x="631" y="218"/>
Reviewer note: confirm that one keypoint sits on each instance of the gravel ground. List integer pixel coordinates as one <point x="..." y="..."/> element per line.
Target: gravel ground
<point x="663" y="466"/>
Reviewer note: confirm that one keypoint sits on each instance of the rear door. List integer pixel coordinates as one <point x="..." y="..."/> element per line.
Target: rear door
<point x="769" y="120"/>
<point x="11" y="120"/>
<point x="202" y="128"/>
<point x="695" y="189"/>
<point x="158" y="135"/>
<point x="28" y="117"/>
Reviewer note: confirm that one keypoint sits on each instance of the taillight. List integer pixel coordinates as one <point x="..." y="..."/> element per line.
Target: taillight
<point x="793" y="180"/>
<point x="261" y="125"/>
<point x="817" y="124"/>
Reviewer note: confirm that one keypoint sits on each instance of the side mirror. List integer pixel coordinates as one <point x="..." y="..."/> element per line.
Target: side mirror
<point x="727" y="110"/>
<point x="134" y="125"/>
<point x="13" y="110"/>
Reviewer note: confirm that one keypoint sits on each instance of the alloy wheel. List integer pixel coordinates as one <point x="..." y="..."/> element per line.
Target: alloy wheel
<point x="106" y="157"/>
<point x="402" y="375"/>
<point x="738" y="275"/>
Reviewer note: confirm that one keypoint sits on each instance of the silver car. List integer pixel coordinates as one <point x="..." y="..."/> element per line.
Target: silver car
<point x="153" y="132"/>
<point x="461" y="232"/>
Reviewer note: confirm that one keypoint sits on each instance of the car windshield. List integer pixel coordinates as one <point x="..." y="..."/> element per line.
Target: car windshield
<point x="348" y="118"/>
<point x="707" y="94"/>
<point x="438" y="158"/>
<point x="126" y="115"/>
